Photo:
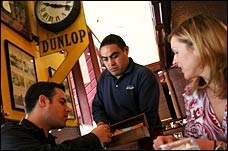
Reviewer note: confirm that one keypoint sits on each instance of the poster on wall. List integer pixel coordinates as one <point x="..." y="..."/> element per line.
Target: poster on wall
<point x="15" y="15"/>
<point x="21" y="73"/>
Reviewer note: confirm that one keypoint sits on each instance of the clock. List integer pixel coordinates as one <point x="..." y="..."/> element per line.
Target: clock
<point x="56" y="16"/>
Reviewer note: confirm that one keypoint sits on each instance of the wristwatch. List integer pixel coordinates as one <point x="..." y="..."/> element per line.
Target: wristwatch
<point x="219" y="147"/>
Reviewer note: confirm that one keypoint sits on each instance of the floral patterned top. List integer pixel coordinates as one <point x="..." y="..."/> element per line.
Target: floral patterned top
<point x="201" y="120"/>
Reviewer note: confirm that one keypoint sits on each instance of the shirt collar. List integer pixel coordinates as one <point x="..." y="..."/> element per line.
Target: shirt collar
<point x="29" y="125"/>
<point x="39" y="131"/>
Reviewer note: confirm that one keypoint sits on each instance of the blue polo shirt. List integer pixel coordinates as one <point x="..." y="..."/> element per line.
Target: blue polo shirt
<point x="135" y="92"/>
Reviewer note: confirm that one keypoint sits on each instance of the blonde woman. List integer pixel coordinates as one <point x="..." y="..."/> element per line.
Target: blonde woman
<point x="199" y="45"/>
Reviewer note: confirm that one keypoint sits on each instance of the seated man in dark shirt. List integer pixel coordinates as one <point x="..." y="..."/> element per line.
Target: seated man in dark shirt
<point x="46" y="109"/>
<point x="125" y="88"/>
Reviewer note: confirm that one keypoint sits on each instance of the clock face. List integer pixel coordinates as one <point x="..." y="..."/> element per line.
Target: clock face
<point x="56" y="15"/>
<point x="52" y="12"/>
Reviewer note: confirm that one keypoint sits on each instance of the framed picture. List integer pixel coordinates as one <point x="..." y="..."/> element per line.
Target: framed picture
<point x="15" y="15"/>
<point x="21" y="72"/>
<point x="69" y="98"/>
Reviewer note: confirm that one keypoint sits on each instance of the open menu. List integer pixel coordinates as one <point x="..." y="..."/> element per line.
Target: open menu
<point x="129" y="130"/>
<point x="120" y="131"/>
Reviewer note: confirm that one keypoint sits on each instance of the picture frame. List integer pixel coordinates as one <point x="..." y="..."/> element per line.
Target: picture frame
<point x="69" y="96"/>
<point x="21" y="73"/>
<point x="15" y="15"/>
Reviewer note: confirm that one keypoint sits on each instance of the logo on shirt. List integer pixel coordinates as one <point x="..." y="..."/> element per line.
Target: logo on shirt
<point x="130" y="87"/>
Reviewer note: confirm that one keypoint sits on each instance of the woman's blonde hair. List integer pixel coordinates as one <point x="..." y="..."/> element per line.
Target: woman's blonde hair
<point x="208" y="36"/>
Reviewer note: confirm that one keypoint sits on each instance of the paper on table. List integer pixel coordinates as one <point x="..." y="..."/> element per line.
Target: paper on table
<point x="120" y="131"/>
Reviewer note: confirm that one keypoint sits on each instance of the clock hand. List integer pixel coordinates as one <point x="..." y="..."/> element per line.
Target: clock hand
<point x="67" y="7"/>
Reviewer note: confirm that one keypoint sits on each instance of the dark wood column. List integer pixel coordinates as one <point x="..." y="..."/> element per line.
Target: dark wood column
<point x="162" y="27"/>
<point x="93" y="55"/>
<point x="81" y="93"/>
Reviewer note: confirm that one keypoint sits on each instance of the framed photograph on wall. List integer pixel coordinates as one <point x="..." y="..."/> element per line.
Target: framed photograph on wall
<point x="16" y="16"/>
<point x="69" y="96"/>
<point x="21" y="72"/>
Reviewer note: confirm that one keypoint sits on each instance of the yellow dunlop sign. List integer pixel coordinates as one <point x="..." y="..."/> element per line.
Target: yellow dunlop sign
<point x="74" y="39"/>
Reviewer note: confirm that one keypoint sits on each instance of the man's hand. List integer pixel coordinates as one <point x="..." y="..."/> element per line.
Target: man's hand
<point x="102" y="131"/>
<point x="163" y="140"/>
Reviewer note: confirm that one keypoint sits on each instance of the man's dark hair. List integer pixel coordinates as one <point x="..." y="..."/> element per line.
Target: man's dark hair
<point x="35" y="90"/>
<point x="113" y="39"/>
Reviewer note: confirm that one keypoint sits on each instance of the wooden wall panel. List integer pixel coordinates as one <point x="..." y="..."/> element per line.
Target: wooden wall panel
<point x="178" y="82"/>
<point x="183" y="9"/>
<point x="164" y="110"/>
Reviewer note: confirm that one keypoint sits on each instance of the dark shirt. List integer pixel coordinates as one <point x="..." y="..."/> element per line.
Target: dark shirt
<point x="136" y="91"/>
<point x="26" y="136"/>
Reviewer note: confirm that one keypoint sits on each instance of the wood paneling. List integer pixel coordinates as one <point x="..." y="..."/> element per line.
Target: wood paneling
<point x="184" y="9"/>
<point x="164" y="111"/>
<point x="178" y="83"/>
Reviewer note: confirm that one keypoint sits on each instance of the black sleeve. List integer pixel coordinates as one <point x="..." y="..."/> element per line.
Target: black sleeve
<point x="86" y="142"/>
<point x="19" y="138"/>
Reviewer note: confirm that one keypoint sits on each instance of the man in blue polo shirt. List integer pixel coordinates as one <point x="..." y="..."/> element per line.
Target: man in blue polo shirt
<point x="124" y="88"/>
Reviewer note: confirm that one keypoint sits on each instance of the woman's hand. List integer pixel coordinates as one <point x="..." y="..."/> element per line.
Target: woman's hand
<point x="163" y="140"/>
